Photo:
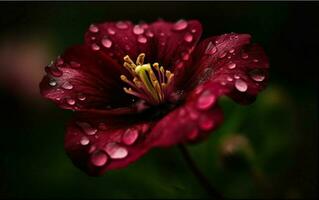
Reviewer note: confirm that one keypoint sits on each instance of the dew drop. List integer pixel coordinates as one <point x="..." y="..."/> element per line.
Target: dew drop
<point x="66" y="85"/>
<point x="86" y="127"/>
<point x="75" y="64"/>
<point x="142" y="39"/>
<point x="84" y="141"/>
<point x="130" y="136"/>
<point x="236" y="76"/>
<point x="255" y="60"/>
<point x="193" y="30"/>
<point x="241" y="85"/>
<point x="52" y="83"/>
<point x="232" y="51"/>
<point x="223" y="55"/>
<point x="95" y="47"/>
<point x="99" y="158"/>
<point x="206" y="100"/>
<point x="93" y="28"/>
<point x="138" y="30"/>
<point x="121" y="25"/>
<point x="54" y="71"/>
<point x="188" y="37"/>
<point x="244" y="55"/>
<point x="231" y="65"/>
<point x="70" y="101"/>
<point x="115" y="151"/>
<point x="211" y="48"/>
<point x="257" y="75"/>
<point x="81" y="97"/>
<point x="229" y="79"/>
<point x="180" y="25"/>
<point x="111" y="31"/>
<point x="185" y="56"/>
<point x="106" y="42"/>
<point x="149" y="34"/>
<point x="206" y="123"/>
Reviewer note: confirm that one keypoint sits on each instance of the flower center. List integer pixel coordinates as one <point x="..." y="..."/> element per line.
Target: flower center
<point x="146" y="84"/>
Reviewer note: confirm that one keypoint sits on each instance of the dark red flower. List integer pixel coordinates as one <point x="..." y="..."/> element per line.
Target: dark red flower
<point x="168" y="96"/>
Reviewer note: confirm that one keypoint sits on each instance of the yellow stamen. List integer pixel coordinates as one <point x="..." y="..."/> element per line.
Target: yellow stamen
<point x="146" y="84"/>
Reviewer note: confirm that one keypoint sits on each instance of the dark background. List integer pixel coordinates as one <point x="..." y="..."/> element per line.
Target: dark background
<point x="274" y="140"/>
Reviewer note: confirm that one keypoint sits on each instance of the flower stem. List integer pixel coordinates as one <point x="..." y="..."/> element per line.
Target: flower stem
<point x="198" y="174"/>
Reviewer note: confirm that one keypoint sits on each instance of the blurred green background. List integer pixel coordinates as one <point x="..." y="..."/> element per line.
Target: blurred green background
<point x="267" y="149"/>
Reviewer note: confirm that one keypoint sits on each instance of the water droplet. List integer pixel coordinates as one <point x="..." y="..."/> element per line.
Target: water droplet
<point x="206" y="123"/>
<point x="162" y="34"/>
<point x="95" y="47"/>
<point x="257" y="75"/>
<point x="81" y="97"/>
<point x="229" y="78"/>
<point x="244" y="55"/>
<point x="241" y="85"/>
<point x="70" y="101"/>
<point x="193" y="31"/>
<point x="193" y="114"/>
<point x="188" y="37"/>
<point x="111" y="31"/>
<point x="149" y="34"/>
<point x="66" y="85"/>
<point x="232" y="51"/>
<point x="192" y="134"/>
<point x="180" y="25"/>
<point x="84" y="140"/>
<point x="106" y="42"/>
<point x="231" y="65"/>
<point x="163" y="43"/>
<point x="93" y="28"/>
<point x="115" y="151"/>
<point x="206" y="100"/>
<point x="236" y="76"/>
<point x="93" y="38"/>
<point x="211" y="48"/>
<point x="99" y="158"/>
<point x="121" y="25"/>
<point x="75" y="64"/>
<point x="138" y="30"/>
<point x="223" y="55"/>
<point x="86" y="127"/>
<point x="130" y="136"/>
<point x="52" y="83"/>
<point x="255" y="60"/>
<point x="142" y="39"/>
<point x="185" y="56"/>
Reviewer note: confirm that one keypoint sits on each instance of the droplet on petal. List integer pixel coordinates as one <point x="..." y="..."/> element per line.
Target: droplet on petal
<point x="111" y="31"/>
<point x="241" y="85"/>
<point x="244" y="55"/>
<point x="149" y="34"/>
<point x="106" y="42"/>
<point x="121" y="25"/>
<point x="84" y="141"/>
<point x="52" y="83"/>
<point x="211" y="48"/>
<point x="54" y="71"/>
<point x="257" y="75"/>
<point x="255" y="60"/>
<point x="95" y="47"/>
<point x="206" y="123"/>
<point x="86" y="127"/>
<point x="188" y="37"/>
<point x="231" y="65"/>
<point x="180" y="25"/>
<point x="115" y="151"/>
<point x="223" y="55"/>
<point x="138" y="30"/>
<point x="142" y="39"/>
<point x="81" y="97"/>
<point x="232" y="51"/>
<point x="66" y="85"/>
<point x="130" y="136"/>
<point x="93" y="28"/>
<point x="70" y="101"/>
<point x="99" y="158"/>
<point x="206" y="100"/>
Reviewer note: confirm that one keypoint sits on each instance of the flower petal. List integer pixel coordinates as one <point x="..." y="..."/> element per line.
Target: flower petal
<point x="96" y="145"/>
<point x="80" y="79"/>
<point x="239" y="67"/>
<point x="167" y="43"/>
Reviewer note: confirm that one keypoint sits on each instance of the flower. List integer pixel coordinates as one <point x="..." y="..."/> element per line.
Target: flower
<point x="166" y="97"/>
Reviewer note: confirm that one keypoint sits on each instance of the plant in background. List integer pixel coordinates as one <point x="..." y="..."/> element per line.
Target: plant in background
<point x="136" y="87"/>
